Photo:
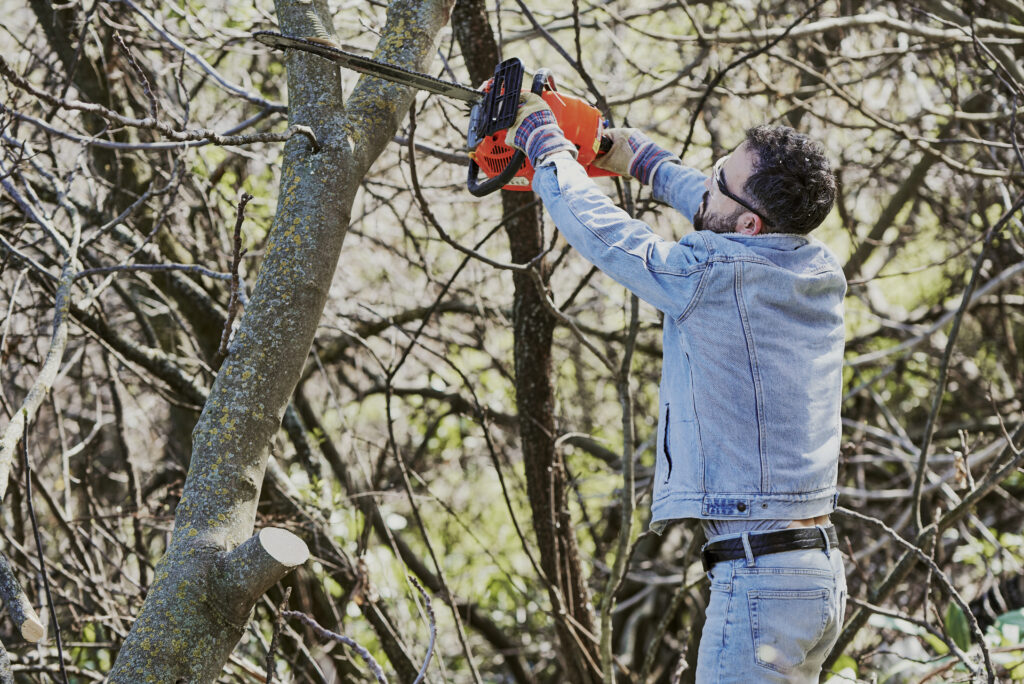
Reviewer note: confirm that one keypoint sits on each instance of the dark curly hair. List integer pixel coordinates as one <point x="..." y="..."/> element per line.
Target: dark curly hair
<point x="792" y="180"/>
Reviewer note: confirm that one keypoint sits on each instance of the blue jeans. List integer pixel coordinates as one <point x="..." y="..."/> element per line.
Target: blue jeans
<point x="773" y="618"/>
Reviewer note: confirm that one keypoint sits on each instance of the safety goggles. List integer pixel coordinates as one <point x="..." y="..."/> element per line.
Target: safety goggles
<point x="719" y="175"/>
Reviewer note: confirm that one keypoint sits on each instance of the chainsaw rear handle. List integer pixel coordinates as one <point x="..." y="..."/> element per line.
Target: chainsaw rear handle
<point x="541" y="80"/>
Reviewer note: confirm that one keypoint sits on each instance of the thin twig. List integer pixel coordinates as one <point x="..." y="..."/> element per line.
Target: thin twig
<point x="940" y="385"/>
<point x="923" y="624"/>
<point x="568" y="321"/>
<point x="673" y="606"/>
<point x="236" y="258"/>
<point x="154" y="106"/>
<point x="58" y="339"/>
<point x="993" y="283"/>
<point x="433" y="629"/>
<point x="152" y="268"/>
<point x="390" y="373"/>
<point x="192" y="138"/>
<point x="403" y="469"/>
<point x="203" y="64"/>
<point x="602" y="103"/>
<point x="628" y="499"/>
<point x="996" y="474"/>
<point x="324" y="633"/>
<point x="39" y="547"/>
<point x="940" y="576"/>
<point x="272" y="648"/>
<point x="735" y="63"/>
<point x="428" y="214"/>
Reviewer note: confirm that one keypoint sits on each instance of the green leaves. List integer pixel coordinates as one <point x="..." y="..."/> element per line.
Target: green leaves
<point x="957" y="627"/>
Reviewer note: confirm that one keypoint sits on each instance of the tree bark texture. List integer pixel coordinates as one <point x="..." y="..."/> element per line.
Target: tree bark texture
<point x="186" y="629"/>
<point x="533" y="327"/>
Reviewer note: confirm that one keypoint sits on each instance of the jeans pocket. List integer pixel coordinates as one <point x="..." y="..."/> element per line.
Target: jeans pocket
<point x="785" y="625"/>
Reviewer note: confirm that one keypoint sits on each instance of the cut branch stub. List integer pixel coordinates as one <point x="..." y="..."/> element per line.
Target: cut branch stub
<point x="245" y="573"/>
<point x="18" y="606"/>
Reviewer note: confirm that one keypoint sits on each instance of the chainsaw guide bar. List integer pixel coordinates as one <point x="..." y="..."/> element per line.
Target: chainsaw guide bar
<point x="371" y="67"/>
<point x="494" y="110"/>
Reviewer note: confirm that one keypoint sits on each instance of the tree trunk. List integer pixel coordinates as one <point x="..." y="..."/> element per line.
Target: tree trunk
<point x="533" y="326"/>
<point x="209" y="579"/>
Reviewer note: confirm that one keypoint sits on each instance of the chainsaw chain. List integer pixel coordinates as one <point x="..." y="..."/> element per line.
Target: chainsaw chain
<point x="370" y="66"/>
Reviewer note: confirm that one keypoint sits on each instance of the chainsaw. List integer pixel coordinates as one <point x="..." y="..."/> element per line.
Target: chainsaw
<point x="493" y="110"/>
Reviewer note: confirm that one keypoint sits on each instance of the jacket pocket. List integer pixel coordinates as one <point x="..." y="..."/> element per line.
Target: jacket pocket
<point x="666" y="441"/>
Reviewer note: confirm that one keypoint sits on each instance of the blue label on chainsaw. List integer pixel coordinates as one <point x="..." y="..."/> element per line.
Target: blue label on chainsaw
<point x="726" y="507"/>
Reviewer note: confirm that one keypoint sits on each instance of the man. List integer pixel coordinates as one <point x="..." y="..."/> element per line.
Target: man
<point x="750" y="390"/>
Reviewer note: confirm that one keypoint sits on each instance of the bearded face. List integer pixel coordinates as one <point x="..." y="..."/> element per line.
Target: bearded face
<point x="716" y="223"/>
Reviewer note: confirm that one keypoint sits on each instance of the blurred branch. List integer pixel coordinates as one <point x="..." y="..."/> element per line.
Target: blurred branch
<point x="151" y="268"/>
<point x="937" y="573"/>
<point x="202" y="63"/>
<point x="15" y="430"/>
<point x="940" y="388"/>
<point x="42" y="558"/>
<point x="735" y="63"/>
<point x="995" y="32"/>
<point x="432" y="624"/>
<point x="323" y="633"/>
<point x="627" y="500"/>
<point x="193" y="138"/>
<point x="967" y="301"/>
<point x="1000" y="470"/>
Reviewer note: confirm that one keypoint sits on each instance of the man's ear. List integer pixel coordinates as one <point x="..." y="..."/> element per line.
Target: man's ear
<point x="749" y="224"/>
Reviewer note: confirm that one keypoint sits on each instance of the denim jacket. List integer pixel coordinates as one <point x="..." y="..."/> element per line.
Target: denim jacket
<point x="748" y="424"/>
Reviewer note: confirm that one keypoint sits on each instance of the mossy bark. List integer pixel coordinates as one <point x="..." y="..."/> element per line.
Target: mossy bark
<point x="187" y="627"/>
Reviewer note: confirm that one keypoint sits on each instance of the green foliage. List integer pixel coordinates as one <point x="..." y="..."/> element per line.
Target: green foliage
<point x="95" y="658"/>
<point x="844" y="670"/>
<point x="956" y="626"/>
<point x="1011" y="625"/>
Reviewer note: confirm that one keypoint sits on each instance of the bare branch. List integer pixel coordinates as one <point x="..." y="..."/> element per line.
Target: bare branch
<point x="323" y="633"/>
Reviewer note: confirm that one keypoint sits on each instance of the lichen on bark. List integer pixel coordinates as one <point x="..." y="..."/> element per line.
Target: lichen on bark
<point x="187" y="629"/>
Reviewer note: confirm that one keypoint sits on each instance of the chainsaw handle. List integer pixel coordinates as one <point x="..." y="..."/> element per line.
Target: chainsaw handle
<point x="501" y="180"/>
<point x="541" y="80"/>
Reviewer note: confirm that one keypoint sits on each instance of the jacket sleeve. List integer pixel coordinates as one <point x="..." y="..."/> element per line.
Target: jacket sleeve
<point x="680" y="187"/>
<point x="663" y="273"/>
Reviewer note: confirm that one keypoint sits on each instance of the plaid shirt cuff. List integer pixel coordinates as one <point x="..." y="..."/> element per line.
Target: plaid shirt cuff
<point x="647" y="160"/>
<point x="544" y="117"/>
<point x="545" y="141"/>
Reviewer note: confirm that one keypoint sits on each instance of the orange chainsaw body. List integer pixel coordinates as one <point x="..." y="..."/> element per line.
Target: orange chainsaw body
<point x="581" y="123"/>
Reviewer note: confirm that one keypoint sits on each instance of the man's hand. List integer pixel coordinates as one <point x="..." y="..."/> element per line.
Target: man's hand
<point x="536" y="131"/>
<point x="633" y="154"/>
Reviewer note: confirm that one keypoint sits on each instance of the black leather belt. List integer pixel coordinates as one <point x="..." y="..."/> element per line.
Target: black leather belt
<point x="764" y="543"/>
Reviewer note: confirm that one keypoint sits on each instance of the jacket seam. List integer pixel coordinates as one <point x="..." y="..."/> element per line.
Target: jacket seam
<point x="701" y="285"/>
<point x="702" y="463"/>
<point x="802" y="496"/>
<point x="755" y="375"/>
<point x="734" y="258"/>
<point x="685" y="273"/>
<point x="697" y="294"/>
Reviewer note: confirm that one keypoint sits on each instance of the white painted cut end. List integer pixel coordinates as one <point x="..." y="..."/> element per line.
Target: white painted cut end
<point x="32" y="630"/>
<point x="283" y="546"/>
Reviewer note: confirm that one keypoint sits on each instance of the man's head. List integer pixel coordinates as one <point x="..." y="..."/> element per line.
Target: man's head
<point x="776" y="181"/>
